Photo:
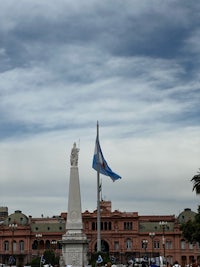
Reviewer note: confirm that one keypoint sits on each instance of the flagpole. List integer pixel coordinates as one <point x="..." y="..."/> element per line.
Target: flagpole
<point x="98" y="198"/>
<point x="100" y="189"/>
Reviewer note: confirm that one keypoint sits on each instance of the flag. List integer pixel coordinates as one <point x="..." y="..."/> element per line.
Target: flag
<point x="11" y="260"/>
<point x="99" y="260"/>
<point x="99" y="163"/>
<point x="42" y="260"/>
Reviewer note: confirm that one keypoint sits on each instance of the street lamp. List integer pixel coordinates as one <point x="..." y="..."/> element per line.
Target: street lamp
<point x="38" y="236"/>
<point x="54" y="248"/>
<point x="152" y="235"/>
<point x="12" y="227"/>
<point x="163" y="225"/>
<point x="144" y="244"/>
<point x="54" y="243"/>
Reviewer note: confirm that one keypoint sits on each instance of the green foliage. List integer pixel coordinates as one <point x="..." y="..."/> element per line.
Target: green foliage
<point x="196" y="183"/>
<point x="197" y="217"/>
<point x="35" y="262"/>
<point x="191" y="229"/>
<point x="50" y="258"/>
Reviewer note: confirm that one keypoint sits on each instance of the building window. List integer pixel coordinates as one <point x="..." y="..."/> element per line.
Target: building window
<point x="182" y="244"/>
<point x="93" y="226"/>
<point x="6" y="245"/>
<point x="128" y="226"/>
<point x="156" y="244"/>
<point x="128" y="244"/>
<point x="168" y="244"/>
<point x="116" y="245"/>
<point x="190" y="246"/>
<point x="35" y="244"/>
<point x="105" y="226"/>
<point x="47" y="244"/>
<point x="21" y="245"/>
<point x="14" y="245"/>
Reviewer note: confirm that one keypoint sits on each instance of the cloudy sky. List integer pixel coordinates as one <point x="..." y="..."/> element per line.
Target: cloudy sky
<point x="132" y="65"/>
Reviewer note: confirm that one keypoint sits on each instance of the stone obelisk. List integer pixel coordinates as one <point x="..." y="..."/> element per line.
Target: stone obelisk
<point x="74" y="241"/>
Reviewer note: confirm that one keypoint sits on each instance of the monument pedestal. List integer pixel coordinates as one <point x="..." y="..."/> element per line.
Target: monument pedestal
<point x="74" y="250"/>
<point x="74" y="241"/>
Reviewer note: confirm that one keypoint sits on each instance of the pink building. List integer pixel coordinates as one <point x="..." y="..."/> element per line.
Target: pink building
<point x="124" y="235"/>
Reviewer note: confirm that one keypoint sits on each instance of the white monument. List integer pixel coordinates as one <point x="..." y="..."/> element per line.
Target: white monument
<point x="74" y="241"/>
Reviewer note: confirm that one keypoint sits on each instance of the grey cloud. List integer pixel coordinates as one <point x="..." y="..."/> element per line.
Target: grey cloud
<point x="122" y="30"/>
<point x="130" y="65"/>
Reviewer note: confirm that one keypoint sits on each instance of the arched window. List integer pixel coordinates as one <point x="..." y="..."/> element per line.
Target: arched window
<point x="21" y="245"/>
<point x="93" y="226"/>
<point x="116" y="245"/>
<point x="169" y="244"/>
<point x="6" y="245"/>
<point x="182" y="244"/>
<point x="47" y="244"/>
<point x="128" y="243"/>
<point x="14" y="245"/>
<point x="156" y="244"/>
<point x="191" y="246"/>
<point x="35" y="244"/>
<point x="128" y="226"/>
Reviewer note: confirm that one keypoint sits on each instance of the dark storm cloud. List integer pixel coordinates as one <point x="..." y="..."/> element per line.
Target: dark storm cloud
<point x="115" y="28"/>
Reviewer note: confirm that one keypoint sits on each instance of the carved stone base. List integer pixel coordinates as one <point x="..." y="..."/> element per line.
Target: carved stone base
<point x="74" y="251"/>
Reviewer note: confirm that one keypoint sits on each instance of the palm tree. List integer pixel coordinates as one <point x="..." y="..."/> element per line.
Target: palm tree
<point x="196" y="182"/>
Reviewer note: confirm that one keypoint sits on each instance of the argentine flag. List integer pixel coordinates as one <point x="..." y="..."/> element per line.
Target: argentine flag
<point x="99" y="260"/>
<point x="42" y="260"/>
<point x="99" y="163"/>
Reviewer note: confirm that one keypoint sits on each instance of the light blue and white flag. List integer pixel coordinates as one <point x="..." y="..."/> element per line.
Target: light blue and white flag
<point x="42" y="260"/>
<point x="100" y="164"/>
<point x="99" y="260"/>
<point x="11" y="260"/>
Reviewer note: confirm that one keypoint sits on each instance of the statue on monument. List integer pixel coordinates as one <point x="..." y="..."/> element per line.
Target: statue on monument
<point x="74" y="155"/>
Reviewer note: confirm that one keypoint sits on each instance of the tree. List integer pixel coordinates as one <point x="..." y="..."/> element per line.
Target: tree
<point x="188" y="231"/>
<point x="49" y="257"/>
<point x="191" y="229"/>
<point x="196" y="183"/>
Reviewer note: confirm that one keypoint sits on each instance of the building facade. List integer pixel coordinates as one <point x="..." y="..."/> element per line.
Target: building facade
<point x="124" y="235"/>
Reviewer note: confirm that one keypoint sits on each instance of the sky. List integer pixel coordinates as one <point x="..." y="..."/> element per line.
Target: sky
<point x="133" y="66"/>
